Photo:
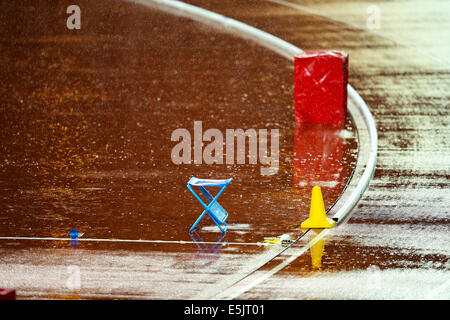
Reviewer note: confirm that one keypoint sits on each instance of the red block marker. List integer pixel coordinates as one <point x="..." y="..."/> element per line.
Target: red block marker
<point x="7" y="294"/>
<point x="320" y="79"/>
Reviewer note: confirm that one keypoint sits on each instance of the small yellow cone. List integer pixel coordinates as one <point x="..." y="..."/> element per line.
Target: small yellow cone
<point x="317" y="216"/>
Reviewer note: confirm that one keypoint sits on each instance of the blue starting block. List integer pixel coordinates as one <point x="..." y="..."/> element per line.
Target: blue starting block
<point x="217" y="213"/>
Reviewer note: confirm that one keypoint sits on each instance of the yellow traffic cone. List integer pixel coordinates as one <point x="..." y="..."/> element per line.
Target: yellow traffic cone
<point x="317" y="216"/>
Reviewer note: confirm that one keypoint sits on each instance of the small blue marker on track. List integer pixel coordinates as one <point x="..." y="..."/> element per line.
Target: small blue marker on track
<point x="74" y="234"/>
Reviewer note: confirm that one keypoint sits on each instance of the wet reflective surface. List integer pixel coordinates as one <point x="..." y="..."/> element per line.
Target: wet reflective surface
<point x="396" y="243"/>
<point x="394" y="246"/>
<point x="87" y="118"/>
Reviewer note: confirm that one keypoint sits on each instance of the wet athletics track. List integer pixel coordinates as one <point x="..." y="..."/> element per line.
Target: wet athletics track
<point x="366" y="252"/>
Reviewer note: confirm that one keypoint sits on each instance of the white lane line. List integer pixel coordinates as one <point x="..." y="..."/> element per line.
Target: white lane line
<point x="224" y="243"/>
<point x="138" y="241"/>
<point x="256" y="278"/>
<point x="436" y="293"/>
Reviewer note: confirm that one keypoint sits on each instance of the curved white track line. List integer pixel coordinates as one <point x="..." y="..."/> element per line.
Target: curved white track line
<point x="357" y="109"/>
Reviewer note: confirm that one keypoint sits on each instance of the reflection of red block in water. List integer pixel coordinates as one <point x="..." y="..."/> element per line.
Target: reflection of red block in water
<point x="7" y="294"/>
<point x="320" y="79"/>
<point x="318" y="159"/>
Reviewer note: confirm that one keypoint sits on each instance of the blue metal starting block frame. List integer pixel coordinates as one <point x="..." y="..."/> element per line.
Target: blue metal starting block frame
<point x="217" y="213"/>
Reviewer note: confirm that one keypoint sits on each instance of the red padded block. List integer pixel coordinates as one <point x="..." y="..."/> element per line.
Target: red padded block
<point x="320" y="79"/>
<point x="7" y="294"/>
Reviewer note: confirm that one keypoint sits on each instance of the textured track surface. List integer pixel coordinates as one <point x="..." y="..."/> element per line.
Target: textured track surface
<point x="90" y="114"/>
<point x="396" y="243"/>
<point x="394" y="246"/>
